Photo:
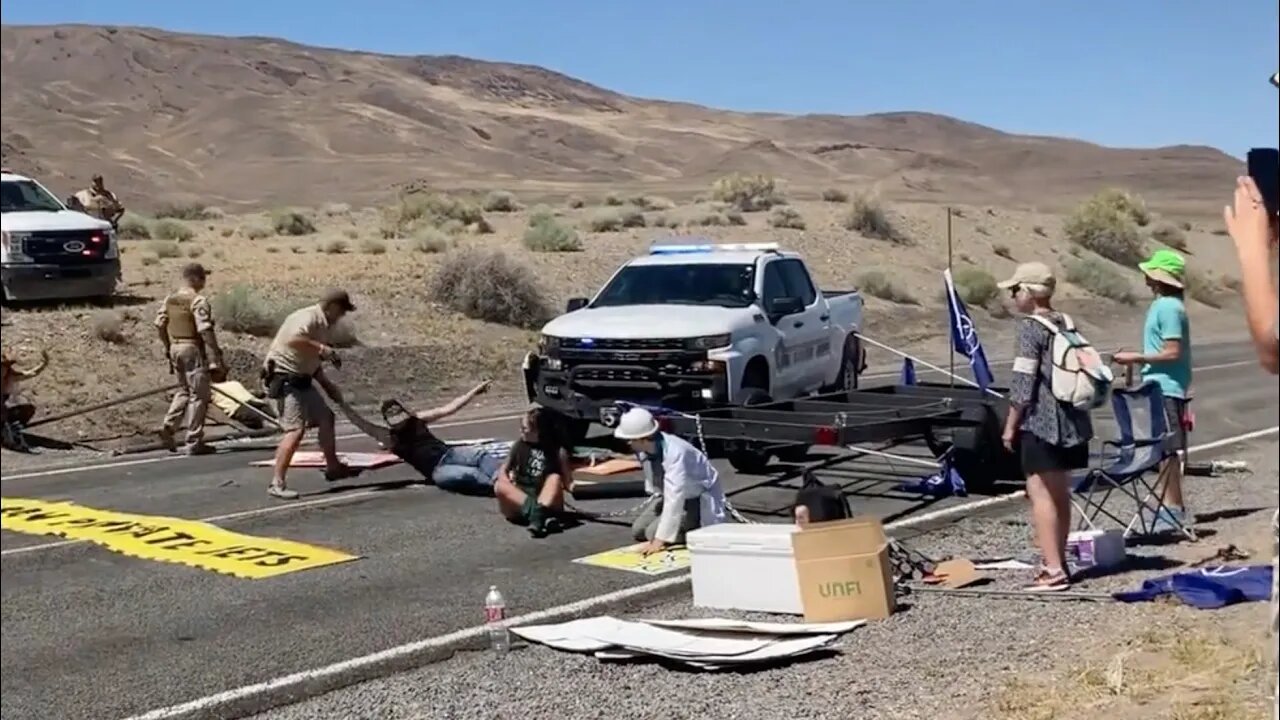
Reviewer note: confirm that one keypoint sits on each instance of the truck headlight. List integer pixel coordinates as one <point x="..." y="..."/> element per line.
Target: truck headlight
<point x="548" y="343"/>
<point x="708" y="342"/>
<point x="12" y="248"/>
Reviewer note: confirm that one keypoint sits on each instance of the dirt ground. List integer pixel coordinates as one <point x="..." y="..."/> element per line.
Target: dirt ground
<point x="412" y="348"/>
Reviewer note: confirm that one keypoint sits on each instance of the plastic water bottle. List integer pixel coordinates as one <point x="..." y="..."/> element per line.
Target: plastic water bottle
<point x="495" y="611"/>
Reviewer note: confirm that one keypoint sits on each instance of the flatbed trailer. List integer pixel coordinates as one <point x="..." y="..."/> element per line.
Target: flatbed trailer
<point x="962" y="421"/>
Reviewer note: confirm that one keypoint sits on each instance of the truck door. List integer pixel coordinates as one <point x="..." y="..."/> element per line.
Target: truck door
<point x="808" y="332"/>
<point x="773" y="294"/>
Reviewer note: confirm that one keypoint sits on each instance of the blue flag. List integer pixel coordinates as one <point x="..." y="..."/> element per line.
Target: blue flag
<point x="908" y="372"/>
<point x="964" y="336"/>
<point x="945" y="483"/>
<point x="1207" y="588"/>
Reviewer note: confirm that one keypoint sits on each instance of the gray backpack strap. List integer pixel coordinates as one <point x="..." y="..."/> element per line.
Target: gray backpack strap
<point x="1045" y="322"/>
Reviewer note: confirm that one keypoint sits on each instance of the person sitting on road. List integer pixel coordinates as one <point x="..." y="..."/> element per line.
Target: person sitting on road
<point x="532" y="483"/>
<point x="692" y="495"/>
<point x="18" y="413"/>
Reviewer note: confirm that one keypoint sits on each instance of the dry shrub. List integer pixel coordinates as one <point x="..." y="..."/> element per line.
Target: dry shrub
<point x="373" y="247"/>
<point x="707" y="219"/>
<point x="575" y="202"/>
<point x="430" y="241"/>
<point x="786" y="217"/>
<point x="334" y="247"/>
<point x="662" y="220"/>
<point x="868" y="217"/>
<point x="108" y="326"/>
<point x="195" y="251"/>
<point x="256" y="232"/>
<point x="187" y="211"/>
<point x="734" y="217"/>
<point x="614" y="200"/>
<point x="976" y="286"/>
<point x="336" y="209"/>
<point x="291" y="223"/>
<point x="1002" y="250"/>
<point x="133" y="227"/>
<point x="489" y="286"/>
<point x="1104" y="224"/>
<point x="877" y="284"/>
<point x="748" y="193"/>
<point x="835" y="195"/>
<point x="1127" y="204"/>
<point x="417" y="210"/>
<point x="1100" y="278"/>
<point x="241" y="309"/>
<point x="1171" y="236"/>
<point x="1202" y="288"/>
<point x="167" y="229"/>
<point x="500" y="201"/>
<point x="546" y="234"/>
<point x="164" y="249"/>
<point x="615" y="219"/>
<point x="148" y="259"/>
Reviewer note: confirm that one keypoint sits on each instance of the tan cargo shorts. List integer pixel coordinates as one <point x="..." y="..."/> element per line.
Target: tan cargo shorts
<point x="302" y="408"/>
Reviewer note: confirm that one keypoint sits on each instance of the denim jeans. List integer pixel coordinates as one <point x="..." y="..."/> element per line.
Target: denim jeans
<point x="470" y="469"/>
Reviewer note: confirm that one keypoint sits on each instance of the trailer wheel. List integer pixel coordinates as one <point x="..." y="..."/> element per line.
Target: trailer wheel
<point x="748" y="459"/>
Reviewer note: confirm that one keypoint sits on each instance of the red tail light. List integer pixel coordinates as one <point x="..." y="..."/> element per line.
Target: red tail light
<point x="826" y="435"/>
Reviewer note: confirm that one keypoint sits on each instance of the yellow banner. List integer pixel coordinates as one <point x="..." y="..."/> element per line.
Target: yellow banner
<point x="166" y="539"/>
<point x="629" y="559"/>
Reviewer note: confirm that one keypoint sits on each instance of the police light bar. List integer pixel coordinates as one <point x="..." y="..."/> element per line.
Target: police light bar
<point x="728" y="247"/>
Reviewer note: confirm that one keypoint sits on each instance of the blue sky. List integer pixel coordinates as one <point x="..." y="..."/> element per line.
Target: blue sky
<point x="1134" y="73"/>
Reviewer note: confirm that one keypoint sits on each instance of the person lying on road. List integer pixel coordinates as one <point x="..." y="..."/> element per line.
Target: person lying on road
<point x="532" y="483"/>
<point x="692" y="496"/>
<point x="470" y="469"/>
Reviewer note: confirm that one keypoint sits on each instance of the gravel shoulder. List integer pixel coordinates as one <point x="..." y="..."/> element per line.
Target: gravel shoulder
<point x="948" y="657"/>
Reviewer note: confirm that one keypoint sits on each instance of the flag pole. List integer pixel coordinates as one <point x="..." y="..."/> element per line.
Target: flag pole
<point x="951" y="343"/>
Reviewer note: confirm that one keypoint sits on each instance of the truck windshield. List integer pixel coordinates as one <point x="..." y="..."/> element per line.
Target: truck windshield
<point x="26" y="196"/>
<point x="696" y="284"/>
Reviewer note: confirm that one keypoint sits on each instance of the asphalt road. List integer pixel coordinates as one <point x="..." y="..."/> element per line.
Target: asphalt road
<point x="88" y="633"/>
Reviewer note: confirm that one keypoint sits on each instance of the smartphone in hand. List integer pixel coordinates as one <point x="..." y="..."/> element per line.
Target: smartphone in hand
<point x="1264" y="168"/>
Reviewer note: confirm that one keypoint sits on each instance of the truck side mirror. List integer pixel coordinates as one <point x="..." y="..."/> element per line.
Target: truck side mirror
<point x="784" y="306"/>
<point x="575" y="304"/>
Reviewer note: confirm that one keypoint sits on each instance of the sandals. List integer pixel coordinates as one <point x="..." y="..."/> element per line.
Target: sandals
<point x="1049" y="581"/>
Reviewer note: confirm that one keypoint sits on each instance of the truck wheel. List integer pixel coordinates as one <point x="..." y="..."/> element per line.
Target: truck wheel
<point x="850" y="368"/>
<point x="751" y="460"/>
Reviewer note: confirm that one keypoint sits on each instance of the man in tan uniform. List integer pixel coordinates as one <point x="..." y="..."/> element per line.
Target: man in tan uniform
<point x="291" y="371"/>
<point x="100" y="202"/>
<point x="185" y="326"/>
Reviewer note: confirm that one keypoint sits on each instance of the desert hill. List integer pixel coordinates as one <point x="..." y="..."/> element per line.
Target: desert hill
<point x="255" y="122"/>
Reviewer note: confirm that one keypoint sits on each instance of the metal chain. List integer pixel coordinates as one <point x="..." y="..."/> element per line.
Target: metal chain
<point x="608" y="515"/>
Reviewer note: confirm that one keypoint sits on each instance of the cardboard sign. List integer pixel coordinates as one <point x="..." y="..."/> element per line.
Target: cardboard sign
<point x="843" y="570"/>
<point x="629" y="559"/>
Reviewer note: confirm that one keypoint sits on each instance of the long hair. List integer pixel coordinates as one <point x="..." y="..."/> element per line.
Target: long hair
<point x="549" y="440"/>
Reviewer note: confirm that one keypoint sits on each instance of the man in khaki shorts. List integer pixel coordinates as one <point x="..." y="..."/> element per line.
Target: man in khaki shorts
<point x="185" y="325"/>
<point x="292" y="370"/>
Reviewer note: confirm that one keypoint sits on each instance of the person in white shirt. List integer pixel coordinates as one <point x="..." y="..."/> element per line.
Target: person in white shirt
<point x="692" y="496"/>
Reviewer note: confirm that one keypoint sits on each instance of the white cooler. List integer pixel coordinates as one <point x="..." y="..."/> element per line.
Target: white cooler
<point x="745" y="567"/>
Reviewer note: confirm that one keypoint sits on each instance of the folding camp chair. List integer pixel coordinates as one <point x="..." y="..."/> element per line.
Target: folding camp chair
<point x="1145" y="441"/>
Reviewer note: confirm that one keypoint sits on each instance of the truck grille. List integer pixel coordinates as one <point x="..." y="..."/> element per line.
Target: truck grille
<point x="615" y="374"/>
<point x="66" y="247"/>
<point x="640" y="344"/>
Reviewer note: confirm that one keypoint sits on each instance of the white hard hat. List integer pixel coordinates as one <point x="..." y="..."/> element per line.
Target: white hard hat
<point x="634" y="424"/>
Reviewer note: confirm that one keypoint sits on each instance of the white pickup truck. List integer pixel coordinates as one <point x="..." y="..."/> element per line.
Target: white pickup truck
<point x="48" y="252"/>
<point x="696" y="326"/>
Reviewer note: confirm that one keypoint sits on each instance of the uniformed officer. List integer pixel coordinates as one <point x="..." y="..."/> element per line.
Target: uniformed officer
<point x="185" y="325"/>
<point x="97" y="200"/>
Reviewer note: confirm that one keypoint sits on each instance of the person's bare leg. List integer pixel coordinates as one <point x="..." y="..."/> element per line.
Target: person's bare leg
<point x="1171" y="482"/>
<point x="284" y="455"/>
<point x="552" y="495"/>
<point x="1044" y="520"/>
<point x="511" y="499"/>
<point x="1059" y="486"/>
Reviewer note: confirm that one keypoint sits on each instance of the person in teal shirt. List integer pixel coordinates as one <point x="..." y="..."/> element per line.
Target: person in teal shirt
<point x="1166" y="360"/>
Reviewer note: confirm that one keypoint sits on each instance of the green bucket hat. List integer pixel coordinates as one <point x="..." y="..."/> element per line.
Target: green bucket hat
<point x="1166" y="267"/>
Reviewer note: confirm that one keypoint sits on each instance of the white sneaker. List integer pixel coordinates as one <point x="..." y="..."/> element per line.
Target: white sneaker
<point x="279" y="491"/>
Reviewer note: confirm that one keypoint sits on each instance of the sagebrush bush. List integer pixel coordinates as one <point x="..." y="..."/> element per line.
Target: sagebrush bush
<point x="575" y="202"/>
<point x="707" y="219"/>
<point x="241" y="309"/>
<point x="417" y="210"/>
<point x="373" y="247"/>
<point x="748" y="193"/>
<point x="1100" y="278"/>
<point x="489" y="286"/>
<point x="1171" y="236"/>
<point x="187" y="211"/>
<point x="108" y="326"/>
<point x="546" y="234"/>
<point x="334" y="247"/>
<point x="292" y="223"/>
<point x="1002" y="250"/>
<point x="1105" y="228"/>
<point x="336" y="209"/>
<point x="133" y="227"/>
<point x="786" y="217"/>
<point x="877" y="284"/>
<point x="835" y="195"/>
<point x="614" y="200"/>
<point x="1202" y="288"/>
<point x="1126" y="203"/>
<point x="615" y="219"/>
<point x="256" y="232"/>
<point x="868" y="217"/>
<point x="976" y="286"/>
<point x="195" y="251"/>
<point x="168" y="229"/>
<point x="500" y="201"/>
<point x="430" y="240"/>
<point x="164" y="249"/>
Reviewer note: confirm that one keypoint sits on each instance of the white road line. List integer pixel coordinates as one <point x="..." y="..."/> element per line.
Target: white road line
<point x="477" y="421"/>
<point x="332" y="676"/>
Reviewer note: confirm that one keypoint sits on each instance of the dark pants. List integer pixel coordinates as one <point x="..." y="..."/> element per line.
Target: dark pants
<point x="1174" y="410"/>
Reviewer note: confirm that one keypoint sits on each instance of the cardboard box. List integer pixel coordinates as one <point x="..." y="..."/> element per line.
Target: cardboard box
<point x="843" y="570"/>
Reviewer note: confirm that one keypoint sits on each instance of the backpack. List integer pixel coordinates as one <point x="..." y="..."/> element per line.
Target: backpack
<point x="1080" y="378"/>
<point x="825" y="502"/>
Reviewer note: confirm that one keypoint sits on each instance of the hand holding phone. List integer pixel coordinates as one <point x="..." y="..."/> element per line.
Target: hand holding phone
<point x="1264" y="168"/>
